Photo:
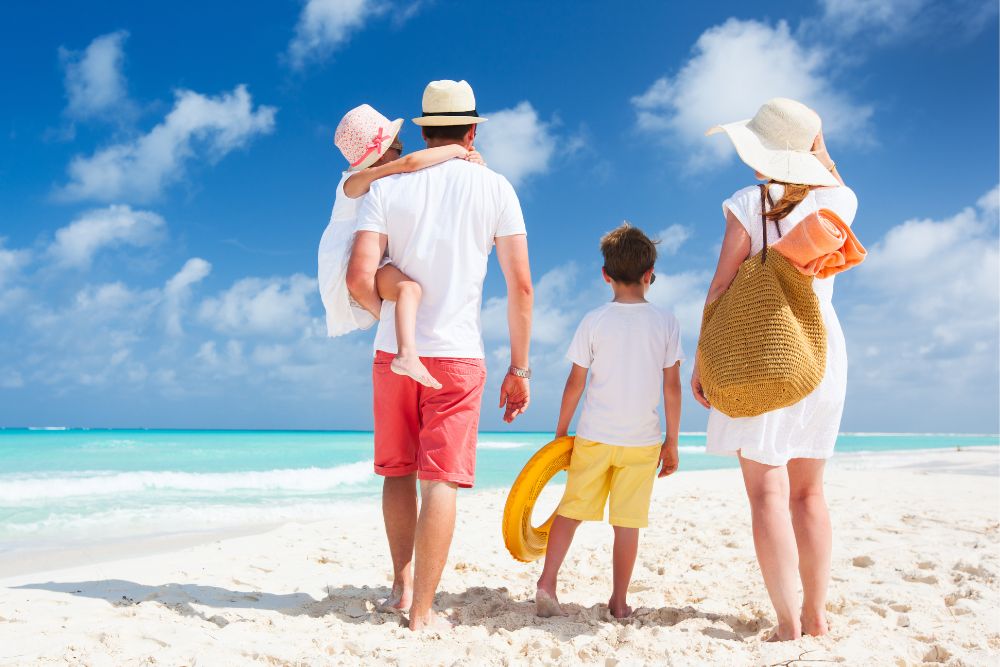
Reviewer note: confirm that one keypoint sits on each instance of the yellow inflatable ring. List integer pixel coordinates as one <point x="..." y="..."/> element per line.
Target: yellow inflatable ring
<point x="524" y="541"/>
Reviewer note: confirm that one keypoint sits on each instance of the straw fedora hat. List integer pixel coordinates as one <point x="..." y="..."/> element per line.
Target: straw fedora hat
<point x="449" y="102"/>
<point x="777" y="142"/>
<point x="364" y="135"/>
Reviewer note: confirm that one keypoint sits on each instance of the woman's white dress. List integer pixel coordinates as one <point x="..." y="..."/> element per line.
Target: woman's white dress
<point x="809" y="428"/>
<point x="342" y="316"/>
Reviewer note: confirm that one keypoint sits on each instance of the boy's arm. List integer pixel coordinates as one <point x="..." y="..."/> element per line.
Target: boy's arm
<point x="669" y="459"/>
<point x="575" y="384"/>
<point x="359" y="184"/>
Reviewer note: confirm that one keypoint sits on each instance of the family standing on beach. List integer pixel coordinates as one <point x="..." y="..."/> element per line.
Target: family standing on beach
<point x="407" y="247"/>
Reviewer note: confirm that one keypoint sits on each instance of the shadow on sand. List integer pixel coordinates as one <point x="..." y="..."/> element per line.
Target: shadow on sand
<point x="491" y="608"/>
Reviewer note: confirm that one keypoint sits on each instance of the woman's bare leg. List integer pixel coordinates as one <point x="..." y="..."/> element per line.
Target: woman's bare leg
<point x="394" y="285"/>
<point x="774" y="540"/>
<point x="814" y="538"/>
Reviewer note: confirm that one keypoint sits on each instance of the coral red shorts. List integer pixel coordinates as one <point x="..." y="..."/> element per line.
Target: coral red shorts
<point x="431" y="432"/>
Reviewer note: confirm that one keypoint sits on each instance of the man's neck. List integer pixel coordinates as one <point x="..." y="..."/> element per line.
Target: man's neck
<point x="434" y="143"/>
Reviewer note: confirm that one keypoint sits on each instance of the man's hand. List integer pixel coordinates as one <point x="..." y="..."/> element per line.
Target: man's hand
<point x="669" y="460"/>
<point x="515" y="395"/>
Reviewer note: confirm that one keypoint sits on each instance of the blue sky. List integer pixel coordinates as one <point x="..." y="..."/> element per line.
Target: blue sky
<point x="166" y="172"/>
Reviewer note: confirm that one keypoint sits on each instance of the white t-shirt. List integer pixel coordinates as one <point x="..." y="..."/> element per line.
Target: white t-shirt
<point x="626" y="346"/>
<point x="441" y="223"/>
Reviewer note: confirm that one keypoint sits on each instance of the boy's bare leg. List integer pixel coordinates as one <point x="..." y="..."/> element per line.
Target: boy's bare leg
<point x="626" y="548"/>
<point x="560" y="537"/>
<point x="394" y="285"/>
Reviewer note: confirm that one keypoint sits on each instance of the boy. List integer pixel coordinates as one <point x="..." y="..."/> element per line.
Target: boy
<point x="632" y="351"/>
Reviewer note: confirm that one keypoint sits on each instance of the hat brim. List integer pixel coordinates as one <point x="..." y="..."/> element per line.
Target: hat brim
<point x="787" y="166"/>
<point x="386" y="145"/>
<point x="442" y="121"/>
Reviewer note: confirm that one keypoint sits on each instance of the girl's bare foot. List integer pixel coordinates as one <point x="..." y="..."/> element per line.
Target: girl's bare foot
<point x="619" y="610"/>
<point x="814" y="625"/>
<point x="432" y="621"/>
<point x="546" y="604"/>
<point x="784" y="635"/>
<point x="410" y="366"/>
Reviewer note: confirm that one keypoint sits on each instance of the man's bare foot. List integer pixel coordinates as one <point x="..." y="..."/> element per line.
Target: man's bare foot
<point x="410" y="366"/>
<point x="397" y="602"/>
<point x="430" y="621"/>
<point x="619" y="610"/>
<point x="814" y="626"/>
<point x="546" y="604"/>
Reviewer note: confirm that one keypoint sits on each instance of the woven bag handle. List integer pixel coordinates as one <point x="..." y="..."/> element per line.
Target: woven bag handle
<point x="765" y="199"/>
<point x="764" y="194"/>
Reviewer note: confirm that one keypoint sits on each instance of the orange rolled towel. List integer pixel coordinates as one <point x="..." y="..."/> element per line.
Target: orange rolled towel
<point x="821" y="245"/>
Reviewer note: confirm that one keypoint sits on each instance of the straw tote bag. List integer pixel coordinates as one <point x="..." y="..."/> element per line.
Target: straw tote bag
<point x="763" y="343"/>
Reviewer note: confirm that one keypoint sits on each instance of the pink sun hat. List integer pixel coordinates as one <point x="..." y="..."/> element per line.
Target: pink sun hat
<point x="364" y="135"/>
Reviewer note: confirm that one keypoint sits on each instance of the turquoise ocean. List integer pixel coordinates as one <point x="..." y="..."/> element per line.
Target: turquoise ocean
<point x="74" y="486"/>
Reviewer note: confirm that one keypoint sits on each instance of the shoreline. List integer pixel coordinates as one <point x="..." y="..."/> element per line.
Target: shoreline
<point x="976" y="460"/>
<point x="915" y="570"/>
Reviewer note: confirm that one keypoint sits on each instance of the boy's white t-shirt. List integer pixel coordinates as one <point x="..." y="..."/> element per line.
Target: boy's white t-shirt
<point x="441" y="223"/>
<point x="626" y="346"/>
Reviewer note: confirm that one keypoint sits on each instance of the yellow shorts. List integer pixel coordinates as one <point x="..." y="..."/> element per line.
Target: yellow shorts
<point x="597" y="470"/>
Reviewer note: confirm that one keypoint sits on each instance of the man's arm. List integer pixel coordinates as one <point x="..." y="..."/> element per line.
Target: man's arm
<point x="512" y="253"/>
<point x="366" y="254"/>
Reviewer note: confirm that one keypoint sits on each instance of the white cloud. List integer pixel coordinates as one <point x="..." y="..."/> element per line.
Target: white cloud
<point x="178" y="289"/>
<point x="95" y="82"/>
<point x="516" y="142"/>
<point x="889" y="20"/>
<point x="76" y="244"/>
<point x="672" y="238"/>
<point x="735" y="67"/>
<point x="197" y="128"/>
<point x="258" y="306"/>
<point x="11" y="262"/>
<point x="924" y="320"/>
<point x="326" y="25"/>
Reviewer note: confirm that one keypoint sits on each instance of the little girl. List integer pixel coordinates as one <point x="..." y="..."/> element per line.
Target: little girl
<point x="369" y="142"/>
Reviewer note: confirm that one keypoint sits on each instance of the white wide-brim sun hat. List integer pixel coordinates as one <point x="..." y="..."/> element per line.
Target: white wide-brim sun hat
<point x="777" y="142"/>
<point x="448" y="102"/>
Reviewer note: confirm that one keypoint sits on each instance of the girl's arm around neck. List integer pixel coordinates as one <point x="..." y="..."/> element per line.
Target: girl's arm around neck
<point x="359" y="184"/>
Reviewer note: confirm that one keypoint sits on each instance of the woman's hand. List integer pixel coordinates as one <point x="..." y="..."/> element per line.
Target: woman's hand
<point x="697" y="389"/>
<point x="820" y="151"/>
<point x="474" y="157"/>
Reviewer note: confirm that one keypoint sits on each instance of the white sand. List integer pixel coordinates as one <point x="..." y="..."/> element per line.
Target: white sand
<point x="915" y="570"/>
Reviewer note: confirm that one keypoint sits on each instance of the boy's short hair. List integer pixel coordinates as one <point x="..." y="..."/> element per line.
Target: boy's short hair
<point x="628" y="254"/>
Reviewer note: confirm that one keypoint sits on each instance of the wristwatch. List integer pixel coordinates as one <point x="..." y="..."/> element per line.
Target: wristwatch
<point x="520" y="372"/>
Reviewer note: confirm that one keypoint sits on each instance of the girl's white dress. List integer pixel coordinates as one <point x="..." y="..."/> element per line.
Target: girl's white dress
<point x="342" y="315"/>
<point x="809" y="428"/>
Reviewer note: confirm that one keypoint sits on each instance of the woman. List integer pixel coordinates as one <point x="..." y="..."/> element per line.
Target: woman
<point x="782" y="453"/>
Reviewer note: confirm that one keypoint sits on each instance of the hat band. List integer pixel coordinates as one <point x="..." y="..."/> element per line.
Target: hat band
<point x="450" y="113"/>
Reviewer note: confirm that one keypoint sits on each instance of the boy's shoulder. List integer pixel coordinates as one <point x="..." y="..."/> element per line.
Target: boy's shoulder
<point x="658" y="315"/>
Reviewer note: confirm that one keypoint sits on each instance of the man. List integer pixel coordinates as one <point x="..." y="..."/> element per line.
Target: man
<point x="438" y="226"/>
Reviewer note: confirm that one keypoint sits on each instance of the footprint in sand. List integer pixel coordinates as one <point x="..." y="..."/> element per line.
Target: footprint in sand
<point x="918" y="579"/>
<point x="862" y="561"/>
<point x="927" y="565"/>
<point x="974" y="571"/>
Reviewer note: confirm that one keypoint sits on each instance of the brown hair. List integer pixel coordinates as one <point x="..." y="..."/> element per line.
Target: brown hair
<point x="791" y="196"/>
<point x="628" y="254"/>
<point x="449" y="132"/>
